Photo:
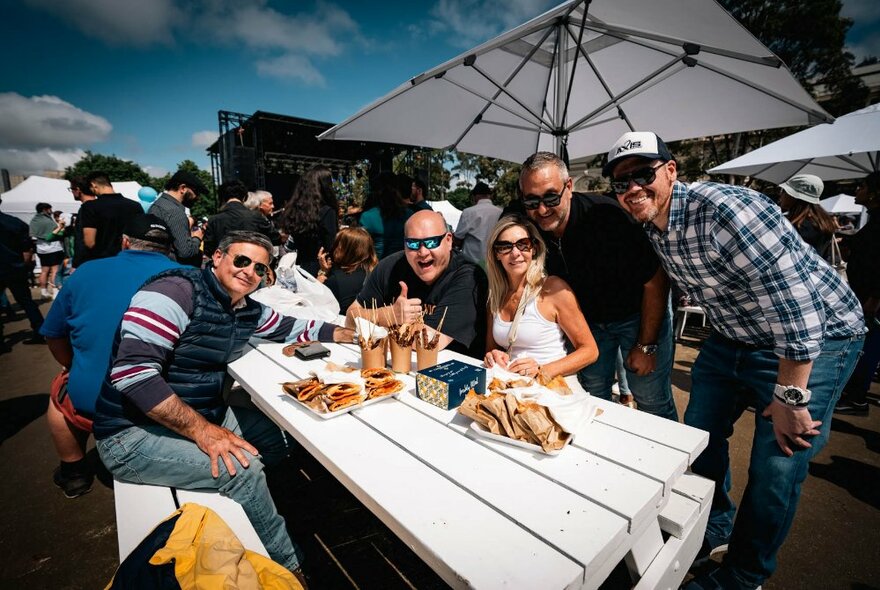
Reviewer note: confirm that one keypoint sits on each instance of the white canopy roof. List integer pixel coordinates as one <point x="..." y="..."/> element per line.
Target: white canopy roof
<point x="847" y="148"/>
<point x="22" y="200"/>
<point x="449" y="212"/>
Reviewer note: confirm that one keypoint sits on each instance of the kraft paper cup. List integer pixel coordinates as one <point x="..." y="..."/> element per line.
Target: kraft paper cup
<point x="401" y="357"/>
<point x="425" y="357"/>
<point x="374" y="358"/>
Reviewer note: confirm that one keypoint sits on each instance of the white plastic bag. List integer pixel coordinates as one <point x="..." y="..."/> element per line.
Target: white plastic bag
<point x="297" y="293"/>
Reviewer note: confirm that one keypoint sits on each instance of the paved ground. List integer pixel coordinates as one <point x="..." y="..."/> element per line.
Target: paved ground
<point x="47" y="541"/>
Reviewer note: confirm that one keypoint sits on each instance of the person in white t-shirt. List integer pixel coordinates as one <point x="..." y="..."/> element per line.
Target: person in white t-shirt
<point x="547" y="308"/>
<point x="475" y="224"/>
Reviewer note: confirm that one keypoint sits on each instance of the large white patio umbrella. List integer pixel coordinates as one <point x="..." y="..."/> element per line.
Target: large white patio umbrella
<point x="847" y="148"/>
<point x="582" y="74"/>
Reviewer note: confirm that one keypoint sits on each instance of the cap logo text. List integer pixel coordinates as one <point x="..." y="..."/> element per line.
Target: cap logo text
<point x="628" y="145"/>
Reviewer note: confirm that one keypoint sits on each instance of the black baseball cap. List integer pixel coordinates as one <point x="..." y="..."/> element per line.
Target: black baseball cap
<point x="139" y="227"/>
<point x="189" y="179"/>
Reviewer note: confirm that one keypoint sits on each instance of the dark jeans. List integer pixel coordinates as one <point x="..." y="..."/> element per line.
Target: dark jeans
<point x="727" y="377"/>
<point x="858" y="385"/>
<point x="17" y="283"/>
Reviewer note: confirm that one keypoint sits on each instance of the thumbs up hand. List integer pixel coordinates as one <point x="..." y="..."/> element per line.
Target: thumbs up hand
<point x="406" y="309"/>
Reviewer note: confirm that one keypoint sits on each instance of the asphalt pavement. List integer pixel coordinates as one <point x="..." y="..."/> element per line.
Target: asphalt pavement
<point x="48" y="541"/>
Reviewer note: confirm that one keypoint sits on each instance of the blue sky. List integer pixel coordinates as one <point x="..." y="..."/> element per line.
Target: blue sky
<point x="144" y="79"/>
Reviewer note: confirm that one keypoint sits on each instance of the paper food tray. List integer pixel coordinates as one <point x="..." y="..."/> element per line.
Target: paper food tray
<point x="329" y="415"/>
<point x="479" y="430"/>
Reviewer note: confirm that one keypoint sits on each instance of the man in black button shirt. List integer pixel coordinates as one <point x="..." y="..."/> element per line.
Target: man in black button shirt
<point x="615" y="275"/>
<point x="104" y="218"/>
<point x="429" y="273"/>
<point x="234" y="216"/>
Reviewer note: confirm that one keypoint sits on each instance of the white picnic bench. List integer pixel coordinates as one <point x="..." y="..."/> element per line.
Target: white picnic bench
<point x="486" y="514"/>
<point x="140" y="507"/>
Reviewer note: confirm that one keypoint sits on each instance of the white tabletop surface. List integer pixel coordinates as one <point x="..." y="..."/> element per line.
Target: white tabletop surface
<point x="487" y="514"/>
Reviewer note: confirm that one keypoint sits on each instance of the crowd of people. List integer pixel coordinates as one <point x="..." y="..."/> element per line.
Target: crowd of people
<point x="560" y="283"/>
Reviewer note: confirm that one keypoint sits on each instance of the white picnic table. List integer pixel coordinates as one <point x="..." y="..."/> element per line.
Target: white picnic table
<point x="487" y="514"/>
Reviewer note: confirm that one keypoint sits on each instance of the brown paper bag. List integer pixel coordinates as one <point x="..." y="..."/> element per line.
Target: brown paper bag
<point x="401" y="357"/>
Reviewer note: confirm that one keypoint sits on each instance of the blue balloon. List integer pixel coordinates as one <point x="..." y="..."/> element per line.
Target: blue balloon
<point x="147" y="195"/>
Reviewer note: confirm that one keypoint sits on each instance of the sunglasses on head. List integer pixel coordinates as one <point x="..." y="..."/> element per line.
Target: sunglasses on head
<point x="548" y="200"/>
<point x="642" y="177"/>
<point x="429" y="243"/>
<point x="523" y="245"/>
<point x="242" y="261"/>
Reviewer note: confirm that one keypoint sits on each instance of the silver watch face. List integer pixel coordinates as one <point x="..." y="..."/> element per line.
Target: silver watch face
<point x="649" y="349"/>
<point x="793" y="396"/>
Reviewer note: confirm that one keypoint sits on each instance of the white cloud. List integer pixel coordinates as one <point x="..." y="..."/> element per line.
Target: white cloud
<point x="467" y="23"/>
<point x="118" y="22"/>
<point x="291" y="67"/>
<point x="38" y="160"/>
<point x="202" y="139"/>
<point x="47" y="121"/>
<point x="155" y="171"/>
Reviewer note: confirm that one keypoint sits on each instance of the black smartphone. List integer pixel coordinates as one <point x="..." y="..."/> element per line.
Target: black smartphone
<point x="311" y="351"/>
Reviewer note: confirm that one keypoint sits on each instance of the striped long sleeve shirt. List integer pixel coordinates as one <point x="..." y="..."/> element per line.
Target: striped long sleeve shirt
<point x="155" y="320"/>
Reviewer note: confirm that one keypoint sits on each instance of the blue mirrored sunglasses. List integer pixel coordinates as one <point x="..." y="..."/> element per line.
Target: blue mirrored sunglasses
<point x="429" y="243"/>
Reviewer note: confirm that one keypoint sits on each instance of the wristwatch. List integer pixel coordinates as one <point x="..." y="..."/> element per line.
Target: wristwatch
<point x="648" y="349"/>
<point x="792" y="395"/>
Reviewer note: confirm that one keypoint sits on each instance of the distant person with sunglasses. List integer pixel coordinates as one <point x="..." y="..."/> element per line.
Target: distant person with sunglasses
<point x="429" y="276"/>
<point x="531" y="314"/>
<point x="616" y="277"/>
<point x="161" y="417"/>
<point x="786" y="334"/>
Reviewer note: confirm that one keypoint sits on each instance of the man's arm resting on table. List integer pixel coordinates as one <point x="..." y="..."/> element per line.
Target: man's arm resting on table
<point x="655" y="295"/>
<point x="791" y="424"/>
<point x="215" y="441"/>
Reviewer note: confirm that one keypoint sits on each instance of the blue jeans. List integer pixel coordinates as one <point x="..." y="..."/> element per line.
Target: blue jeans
<point x="860" y="382"/>
<point x="727" y="378"/>
<point x="152" y="454"/>
<point x="653" y="393"/>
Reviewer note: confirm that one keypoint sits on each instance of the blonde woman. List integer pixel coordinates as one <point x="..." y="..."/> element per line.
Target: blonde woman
<point x="547" y="309"/>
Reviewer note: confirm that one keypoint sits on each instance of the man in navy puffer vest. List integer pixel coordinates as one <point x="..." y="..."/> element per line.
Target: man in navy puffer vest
<point x="161" y="417"/>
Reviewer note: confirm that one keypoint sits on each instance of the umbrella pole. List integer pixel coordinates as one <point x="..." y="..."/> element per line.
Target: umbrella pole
<point x="559" y="115"/>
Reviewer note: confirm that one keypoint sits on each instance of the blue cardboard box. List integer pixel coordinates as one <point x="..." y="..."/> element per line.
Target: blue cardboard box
<point x="446" y="385"/>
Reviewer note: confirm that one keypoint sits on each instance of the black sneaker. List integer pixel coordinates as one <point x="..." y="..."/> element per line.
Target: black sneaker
<point x="851" y="408"/>
<point x="74" y="486"/>
<point x="35" y="339"/>
<point x="706" y="552"/>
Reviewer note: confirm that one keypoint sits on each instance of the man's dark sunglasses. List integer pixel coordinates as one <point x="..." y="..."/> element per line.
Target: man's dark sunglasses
<point x="523" y="245"/>
<point x="642" y="177"/>
<point x="242" y="261"/>
<point x="548" y="199"/>
<point x="429" y="243"/>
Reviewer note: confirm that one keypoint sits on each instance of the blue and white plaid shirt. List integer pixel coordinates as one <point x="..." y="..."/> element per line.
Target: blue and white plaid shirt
<point x="734" y="253"/>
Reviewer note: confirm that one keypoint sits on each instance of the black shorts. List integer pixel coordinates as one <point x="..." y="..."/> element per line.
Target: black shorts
<point x="52" y="258"/>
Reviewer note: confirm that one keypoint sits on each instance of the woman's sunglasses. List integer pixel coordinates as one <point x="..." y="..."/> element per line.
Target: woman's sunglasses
<point x="242" y="261"/>
<point x="642" y="177"/>
<point x="523" y="245"/>
<point x="429" y="243"/>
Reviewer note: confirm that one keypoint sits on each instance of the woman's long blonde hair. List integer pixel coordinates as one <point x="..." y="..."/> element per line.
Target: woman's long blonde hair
<point x="535" y="275"/>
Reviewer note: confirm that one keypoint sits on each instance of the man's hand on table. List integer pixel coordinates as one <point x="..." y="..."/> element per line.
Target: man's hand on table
<point x="344" y="335"/>
<point x="219" y="443"/>
<point x="790" y="425"/>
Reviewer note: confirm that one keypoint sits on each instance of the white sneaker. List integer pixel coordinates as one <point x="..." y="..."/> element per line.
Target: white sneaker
<point x="44" y="293"/>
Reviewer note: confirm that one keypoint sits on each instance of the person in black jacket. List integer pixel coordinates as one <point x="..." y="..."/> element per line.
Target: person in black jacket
<point x="311" y="218"/>
<point x="234" y="216"/>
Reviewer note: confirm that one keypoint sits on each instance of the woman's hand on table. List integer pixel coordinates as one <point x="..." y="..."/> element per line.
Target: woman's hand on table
<point x="497" y="357"/>
<point x="527" y="367"/>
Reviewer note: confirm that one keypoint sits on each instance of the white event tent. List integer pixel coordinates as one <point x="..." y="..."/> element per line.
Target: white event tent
<point x="22" y="200"/>
<point x="449" y="212"/>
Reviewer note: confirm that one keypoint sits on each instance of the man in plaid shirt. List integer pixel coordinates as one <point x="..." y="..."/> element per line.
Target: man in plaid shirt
<point x="786" y="334"/>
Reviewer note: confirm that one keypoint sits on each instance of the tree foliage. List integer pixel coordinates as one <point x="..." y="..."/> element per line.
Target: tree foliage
<point x="117" y="169"/>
